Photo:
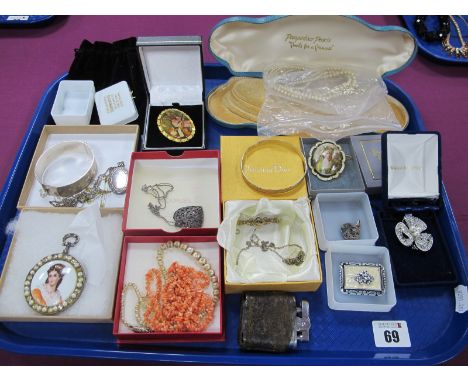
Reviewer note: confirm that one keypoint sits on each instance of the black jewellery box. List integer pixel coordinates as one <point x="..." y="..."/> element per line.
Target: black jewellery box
<point x="409" y="219"/>
<point x="175" y="115"/>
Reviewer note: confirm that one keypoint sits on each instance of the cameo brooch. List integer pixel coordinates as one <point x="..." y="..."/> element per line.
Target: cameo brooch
<point x="326" y="160"/>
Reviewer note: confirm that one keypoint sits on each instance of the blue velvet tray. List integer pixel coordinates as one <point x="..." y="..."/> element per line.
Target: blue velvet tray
<point x="437" y="332"/>
<point x="435" y="50"/>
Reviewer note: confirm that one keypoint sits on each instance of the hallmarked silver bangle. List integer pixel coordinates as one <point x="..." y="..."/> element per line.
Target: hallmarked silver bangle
<point x="47" y="159"/>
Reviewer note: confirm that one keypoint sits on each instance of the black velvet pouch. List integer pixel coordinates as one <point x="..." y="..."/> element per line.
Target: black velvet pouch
<point x="107" y="64"/>
<point x="413" y="267"/>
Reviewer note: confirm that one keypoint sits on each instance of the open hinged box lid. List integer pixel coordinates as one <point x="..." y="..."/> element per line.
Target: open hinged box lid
<point x="412" y="187"/>
<point x="247" y="46"/>
<point x="411" y="170"/>
<point x="173" y="68"/>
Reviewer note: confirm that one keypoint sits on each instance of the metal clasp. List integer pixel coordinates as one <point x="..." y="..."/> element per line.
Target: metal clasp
<point x="301" y="325"/>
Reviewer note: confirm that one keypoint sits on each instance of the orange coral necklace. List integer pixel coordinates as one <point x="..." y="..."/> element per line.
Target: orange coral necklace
<point x="175" y="299"/>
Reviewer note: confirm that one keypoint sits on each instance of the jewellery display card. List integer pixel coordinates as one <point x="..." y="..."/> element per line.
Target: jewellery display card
<point x="411" y="168"/>
<point x="350" y="180"/>
<point x="269" y="261"/>
<point x="109" y="144"/>
<point x="373" y="275"/>
<point x="368" y="151"/>
<point x="332" y="211"/>
<point x="412" y="266"/>
<point x="39" y="234"/>
<point x="139" y="257"/>
<point x="272" y="164"/>
<point x="173" y="68"/>
<point x="172" y="184"/>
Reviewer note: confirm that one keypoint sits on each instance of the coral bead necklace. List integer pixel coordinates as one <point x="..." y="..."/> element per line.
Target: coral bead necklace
<point x="175" y="299"/>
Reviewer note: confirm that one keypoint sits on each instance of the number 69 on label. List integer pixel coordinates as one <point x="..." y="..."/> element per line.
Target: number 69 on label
<point x="391" y="334"/>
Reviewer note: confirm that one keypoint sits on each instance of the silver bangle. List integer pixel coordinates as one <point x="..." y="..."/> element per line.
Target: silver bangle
<point x="51" y="155"/>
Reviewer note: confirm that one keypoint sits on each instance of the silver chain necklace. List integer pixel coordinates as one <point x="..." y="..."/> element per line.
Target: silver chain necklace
<point x="113" y="180"/>
<point x="184" y="217"/>
<point x="267" y="246"/>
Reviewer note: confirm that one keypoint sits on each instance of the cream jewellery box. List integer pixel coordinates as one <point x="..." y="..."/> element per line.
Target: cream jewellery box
<point x="248" y="46"/>
<point x="115" y="105"/>
<point x="173" y="68"/>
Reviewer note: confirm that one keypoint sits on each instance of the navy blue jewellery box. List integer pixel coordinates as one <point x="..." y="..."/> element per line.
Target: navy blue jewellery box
<point x="412" y="184"/>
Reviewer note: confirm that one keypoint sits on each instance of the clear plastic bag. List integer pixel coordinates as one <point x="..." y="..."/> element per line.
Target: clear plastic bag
<point x="324" y="102"/>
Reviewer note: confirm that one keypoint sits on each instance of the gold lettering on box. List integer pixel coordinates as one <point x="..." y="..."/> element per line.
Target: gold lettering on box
<point x="113" y="102"/>
<point x="307" y="42"/>
<point x="376" y="154"/>
<point x="275" y="169"/>
<point x="403" y="168"/>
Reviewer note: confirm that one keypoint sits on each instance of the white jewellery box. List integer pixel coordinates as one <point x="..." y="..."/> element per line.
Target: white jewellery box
<point x="359" y="279"/>
<point x="115" y="105"/>
<point x="73" y="103"/>
<point x="333" y="210"/>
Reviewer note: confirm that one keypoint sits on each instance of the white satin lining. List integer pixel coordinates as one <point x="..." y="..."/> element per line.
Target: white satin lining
<point x="327" y="40"/>
<point x="255" y="265"/>
<point x="413" y="166"/>
<point x="173" y="74"/>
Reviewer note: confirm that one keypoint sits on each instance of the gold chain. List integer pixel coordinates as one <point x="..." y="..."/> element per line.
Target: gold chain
<point x="460" y="51"/>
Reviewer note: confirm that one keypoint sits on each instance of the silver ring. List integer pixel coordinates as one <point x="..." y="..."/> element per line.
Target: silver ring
<point x="410" y="233"/>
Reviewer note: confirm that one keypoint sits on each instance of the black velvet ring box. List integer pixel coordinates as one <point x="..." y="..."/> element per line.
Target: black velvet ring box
<point x="412" y="184"/>
<point x="173" y="68"/>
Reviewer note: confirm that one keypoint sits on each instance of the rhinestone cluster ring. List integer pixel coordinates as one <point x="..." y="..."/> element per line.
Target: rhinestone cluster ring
<point x="202" y="261"/>
<point x="410" y="233"/>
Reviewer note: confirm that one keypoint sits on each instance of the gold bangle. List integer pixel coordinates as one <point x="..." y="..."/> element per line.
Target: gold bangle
<point x="283" y="144"/>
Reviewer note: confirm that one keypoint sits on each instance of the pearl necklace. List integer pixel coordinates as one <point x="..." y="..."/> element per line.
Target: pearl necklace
<point x="157" y="306"/>
<point x="304" y="81"/>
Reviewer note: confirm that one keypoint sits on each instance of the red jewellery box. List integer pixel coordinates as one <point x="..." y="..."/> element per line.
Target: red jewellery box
<point x="173" y="195"/>
<point x="140" y="269"/>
